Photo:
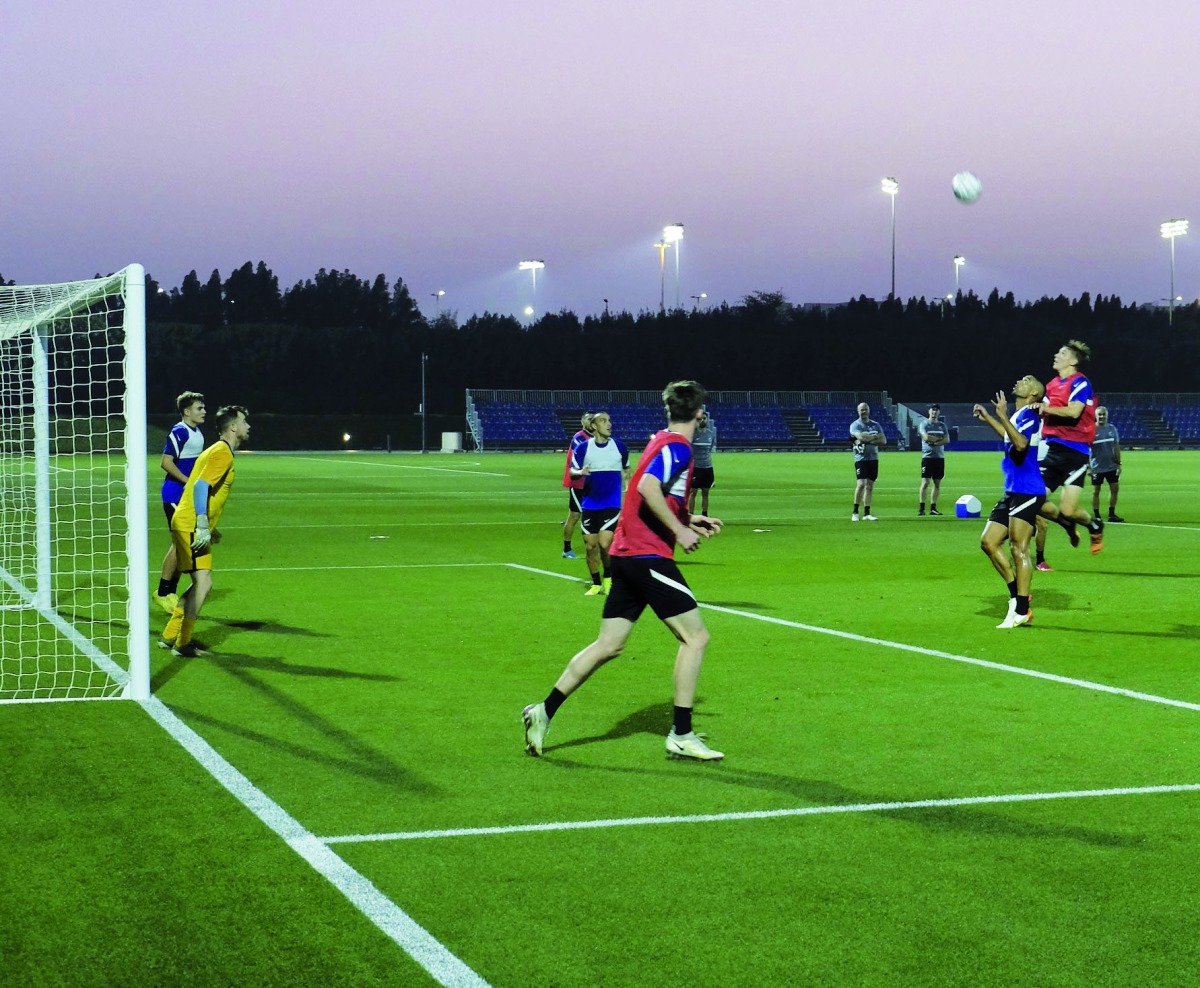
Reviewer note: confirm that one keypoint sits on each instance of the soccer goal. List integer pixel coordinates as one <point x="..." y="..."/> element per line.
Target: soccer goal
<point x="74" y="578"/>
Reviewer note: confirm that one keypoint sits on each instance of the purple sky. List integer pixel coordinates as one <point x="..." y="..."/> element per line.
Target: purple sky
<point x="445" y="140"/>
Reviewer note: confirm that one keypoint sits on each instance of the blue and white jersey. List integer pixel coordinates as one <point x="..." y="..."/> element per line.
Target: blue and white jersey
<point x="605" y="461"/>
<point x="672" y="469"/>
<point x="1021" y="473"/>
<point x="184" y="445"/>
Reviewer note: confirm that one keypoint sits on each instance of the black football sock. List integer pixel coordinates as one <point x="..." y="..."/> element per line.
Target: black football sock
<point x="554" y="701"/>
<point x="683" y="721"/>
<point x="566" y="545"/>
<point x="1012" y="589"/>
<point x="1022" y="604"/>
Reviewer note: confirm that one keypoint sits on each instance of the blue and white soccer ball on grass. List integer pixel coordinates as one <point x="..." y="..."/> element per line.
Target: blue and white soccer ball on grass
<point x="967" y="506"/>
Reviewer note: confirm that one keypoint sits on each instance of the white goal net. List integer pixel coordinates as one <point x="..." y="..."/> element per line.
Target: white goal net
<point x="73" y="463"/>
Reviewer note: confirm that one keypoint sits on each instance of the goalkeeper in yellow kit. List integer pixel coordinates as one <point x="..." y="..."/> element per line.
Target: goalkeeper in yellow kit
<point x="194" y="526"/>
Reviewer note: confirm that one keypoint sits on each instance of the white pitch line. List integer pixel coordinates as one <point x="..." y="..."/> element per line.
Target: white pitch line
<point x="405" y="466"/>
<point x="643" y="821"/>
<point x="443" y="966"/>
<point x="983" y="663"/>
<point x="322" y="569"/>
<point x="932" y="652"/>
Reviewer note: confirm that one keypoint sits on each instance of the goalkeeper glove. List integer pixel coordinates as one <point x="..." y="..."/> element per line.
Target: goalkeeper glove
<point x="201" y="537"/>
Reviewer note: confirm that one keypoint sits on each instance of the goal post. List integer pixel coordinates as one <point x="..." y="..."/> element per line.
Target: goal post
<point x="74" y="571"/>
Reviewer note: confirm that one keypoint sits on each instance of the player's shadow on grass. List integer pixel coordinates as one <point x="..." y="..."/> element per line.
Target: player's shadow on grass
<point x="654" y="719"/>
<point x="1144" y="576"/>
<point x="1044" y="601"/>
<point x="342" y="750"/>
<point x="266" y="664"/>
<point x="1190" y="632"/>
<point x="821" y="793"/>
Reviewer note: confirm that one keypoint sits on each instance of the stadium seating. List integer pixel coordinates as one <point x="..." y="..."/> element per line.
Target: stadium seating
<point x="545" y="424"/>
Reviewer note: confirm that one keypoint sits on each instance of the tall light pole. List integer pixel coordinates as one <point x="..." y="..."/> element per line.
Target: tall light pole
<point x="533" y="267"/>
<point x="891" y="187"/>
<point x="437" y="303"/>
<point x="698" y="299"/>
<point x="424" y="358"/>
<point x="673" y="234"/>
<point x="959" y="261"/>
<point x="1170" y="230"/>
<point x="662" y="246"/>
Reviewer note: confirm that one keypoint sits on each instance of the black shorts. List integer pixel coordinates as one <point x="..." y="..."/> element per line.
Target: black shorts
<point x="573" y="505"/>
<point x="1111" y="476"/>
<point x="866" y="469"/>
<point x="596" y="521"/>
<point x="169" y="511"/>
<point x="932" y="468"/>
<point x="1023" y="506"/>
<point x="641" y="580"/>
<point x="1063" y="466"/>
<point x="703" y="478"/>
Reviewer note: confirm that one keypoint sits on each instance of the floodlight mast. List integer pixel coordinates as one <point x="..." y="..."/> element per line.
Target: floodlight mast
<point x="959" y="261"/>
<point x="673" y="235"/>
<point x="533" y="267"/>
<point x="662" y="246"/>
<point x="1170" y="230"/>
<point x="891" y="187"/>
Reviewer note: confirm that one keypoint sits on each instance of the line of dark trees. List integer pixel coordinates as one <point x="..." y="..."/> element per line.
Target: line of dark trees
<point x="339" y="344"/>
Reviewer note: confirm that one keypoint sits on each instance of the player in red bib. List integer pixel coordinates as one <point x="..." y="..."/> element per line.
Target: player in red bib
<point x="654" y="519"/>
<point x="1068" y="428"/>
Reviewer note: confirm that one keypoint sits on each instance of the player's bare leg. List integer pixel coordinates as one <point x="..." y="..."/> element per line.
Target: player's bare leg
<point x="689" y="628"/>
<point x="1019" y="533"/>
<point x="614" y="632"/>
<point x="683" y="741"/>
<point x="992" y="543"/>
<point x="592" y="551"/>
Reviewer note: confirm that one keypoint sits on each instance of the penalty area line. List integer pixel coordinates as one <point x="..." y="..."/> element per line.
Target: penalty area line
<point x="931" y="652"/>
<point x="443" y="966"/>
<point x="644" y="821"/>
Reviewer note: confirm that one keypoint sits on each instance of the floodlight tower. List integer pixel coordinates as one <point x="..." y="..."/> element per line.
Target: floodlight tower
<point x="697" y="299"/>
<point x="533" y="267"/>
<point x="437" y="303"/>
<point x="1170" y="230"/>
<point x="662" y="246"/>
<point x="959" y="261"/>
<point x="673" y="234"/>
<point x="891" y="187"/>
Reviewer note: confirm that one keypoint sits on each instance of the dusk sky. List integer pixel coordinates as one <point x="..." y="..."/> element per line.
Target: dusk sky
<point x="442" y="141"/>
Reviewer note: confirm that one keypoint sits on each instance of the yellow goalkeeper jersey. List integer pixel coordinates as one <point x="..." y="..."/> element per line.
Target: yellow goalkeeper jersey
<point x="214" y="465"/>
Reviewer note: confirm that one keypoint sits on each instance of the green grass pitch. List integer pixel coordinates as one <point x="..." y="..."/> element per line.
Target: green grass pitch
<point x="379" y="622"/>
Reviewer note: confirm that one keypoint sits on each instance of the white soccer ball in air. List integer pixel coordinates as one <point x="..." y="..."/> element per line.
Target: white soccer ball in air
<point x="967" y="188"/>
